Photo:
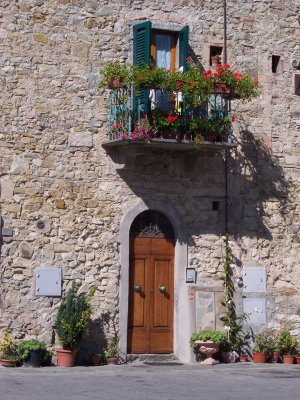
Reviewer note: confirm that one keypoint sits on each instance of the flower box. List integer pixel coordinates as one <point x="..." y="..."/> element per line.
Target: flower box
<point x="222" y="88"/>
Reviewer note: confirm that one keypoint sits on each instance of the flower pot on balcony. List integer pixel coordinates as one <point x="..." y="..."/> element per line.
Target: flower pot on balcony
<point x="222" y="89"/>
<point x="297" y="359"/>
<point x="116" y="83"/>
<point x="288" y="359"/>
<point x="259" y="358"/>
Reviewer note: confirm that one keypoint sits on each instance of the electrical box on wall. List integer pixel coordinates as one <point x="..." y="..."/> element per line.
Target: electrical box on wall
<point x="48" y="282"/>
<point x="256" y="309"/>
<point x="254" y="279"/>
<point x="190" y="275"/>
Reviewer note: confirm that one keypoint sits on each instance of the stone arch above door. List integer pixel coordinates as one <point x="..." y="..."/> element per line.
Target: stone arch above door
<point x="181" y="308"/>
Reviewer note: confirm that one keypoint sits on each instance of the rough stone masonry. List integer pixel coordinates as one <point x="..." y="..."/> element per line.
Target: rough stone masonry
<point x="53" y="168"/>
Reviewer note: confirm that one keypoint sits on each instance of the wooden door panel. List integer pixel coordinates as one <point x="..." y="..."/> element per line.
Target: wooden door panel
<point x="137" y="300"/>
<point x="138" y="311"/>
<point x="160" y="306"/>
<point x="163" y="247"/>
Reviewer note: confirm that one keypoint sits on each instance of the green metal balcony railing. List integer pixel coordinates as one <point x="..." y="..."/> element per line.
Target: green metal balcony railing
<point x="158" y="114"/>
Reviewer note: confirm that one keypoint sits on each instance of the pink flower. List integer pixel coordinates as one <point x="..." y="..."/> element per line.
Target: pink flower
<point x="233" y="119"/>
<point x="188" y="59"/>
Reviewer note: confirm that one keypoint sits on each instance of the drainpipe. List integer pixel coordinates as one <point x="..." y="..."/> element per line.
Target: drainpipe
<point x="226" y="108"/>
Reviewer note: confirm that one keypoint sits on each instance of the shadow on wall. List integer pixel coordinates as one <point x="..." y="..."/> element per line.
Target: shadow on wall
<point x="95" y="343"/>
<point x="256" y="178"/>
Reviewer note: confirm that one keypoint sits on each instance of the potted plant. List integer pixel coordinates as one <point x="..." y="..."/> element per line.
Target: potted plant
<point x="8" y="355"/>
<point x="115" y="75"/>
<point x="32" y="352"/>
<point x="72" y="324"/>
<point x="209" y="342"/>
<point x="228" y="82"/>
<point x="243" y="357"/>
<point x="111" y="354"/>
<point x="263" y="347"/>
<point x="288" y="346"/>
<point x="297" y="356"/>
<point x="142" y="130"/>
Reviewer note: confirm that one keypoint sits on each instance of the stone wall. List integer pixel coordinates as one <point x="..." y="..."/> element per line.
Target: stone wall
<point x="53" y="168"/>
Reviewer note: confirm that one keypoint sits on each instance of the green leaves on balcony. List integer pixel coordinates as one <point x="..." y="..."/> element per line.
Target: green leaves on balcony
<point x="194" y="84"/>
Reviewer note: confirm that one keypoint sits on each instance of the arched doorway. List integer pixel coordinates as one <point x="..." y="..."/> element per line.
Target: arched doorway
<point x="151" y="284"/>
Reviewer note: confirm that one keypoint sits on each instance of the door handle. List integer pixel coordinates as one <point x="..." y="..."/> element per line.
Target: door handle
<point x="137" y="288"/>
<point x="162" y="289"/>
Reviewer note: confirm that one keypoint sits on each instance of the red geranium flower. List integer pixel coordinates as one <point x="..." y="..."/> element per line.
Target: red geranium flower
<point x="188" y="59"/>
<point x="233" y="119"/>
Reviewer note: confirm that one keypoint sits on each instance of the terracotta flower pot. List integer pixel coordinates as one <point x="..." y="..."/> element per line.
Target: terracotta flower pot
<point x="222" y="88"/>
<point x="8" y="363"/>
<point x="112" y="360"/>
<point x="259" y="358"/>
<point x="66" y="358"/>
<point x="297" y="358"/>
<point x="116" y="83"/>
<point x="288" y="359"/>
<point x="243" y="357"/>
<point x="275" y="357"/>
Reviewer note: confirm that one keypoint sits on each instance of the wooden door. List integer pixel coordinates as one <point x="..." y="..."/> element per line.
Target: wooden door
<point x="150" y="321"/>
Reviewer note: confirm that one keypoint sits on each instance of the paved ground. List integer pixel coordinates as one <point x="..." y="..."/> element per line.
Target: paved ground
<point x="245" y="381"/>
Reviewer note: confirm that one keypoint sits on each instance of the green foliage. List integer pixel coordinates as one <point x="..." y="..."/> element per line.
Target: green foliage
<point x="216" y="336"/>
<point x="287" y="343"/>
<point x="264" y="343"/>
<point x="115" y="71"/>
<point x="72" y="318"/>
<point x="233" y="323"/>
<point x="113" y="348"/>
<point x="7" y="347"/>
<point x="26" y="346"/>
<point x="195" y="85"/>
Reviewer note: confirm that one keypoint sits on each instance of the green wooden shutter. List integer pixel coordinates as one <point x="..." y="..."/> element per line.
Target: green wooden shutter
<point x="141" y="56"/>
<point x="141" y="43"/>
<point x="183" y="47"/>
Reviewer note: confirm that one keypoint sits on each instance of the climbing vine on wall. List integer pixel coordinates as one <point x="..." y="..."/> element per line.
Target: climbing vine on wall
<point x="233" y="323"/>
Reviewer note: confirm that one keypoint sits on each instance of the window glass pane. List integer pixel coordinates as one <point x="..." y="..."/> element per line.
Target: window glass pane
<point x="163" y="51"/>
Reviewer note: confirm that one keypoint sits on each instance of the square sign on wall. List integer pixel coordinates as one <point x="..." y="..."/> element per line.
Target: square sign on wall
<point x="256" y="308"/>
<point x="48" y="282"/>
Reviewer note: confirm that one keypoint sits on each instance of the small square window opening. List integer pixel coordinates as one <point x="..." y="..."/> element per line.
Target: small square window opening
<point x="297" y="84"/>
<point x="215" y="55"/>
<point x="215" y="205"/>
<point x="276" y="65"/>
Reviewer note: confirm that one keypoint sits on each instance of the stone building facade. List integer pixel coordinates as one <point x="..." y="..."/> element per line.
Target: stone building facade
<point x="67" y="203"/>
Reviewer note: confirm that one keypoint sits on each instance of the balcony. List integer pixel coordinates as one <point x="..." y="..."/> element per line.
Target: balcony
<point x="156" y="119"/>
